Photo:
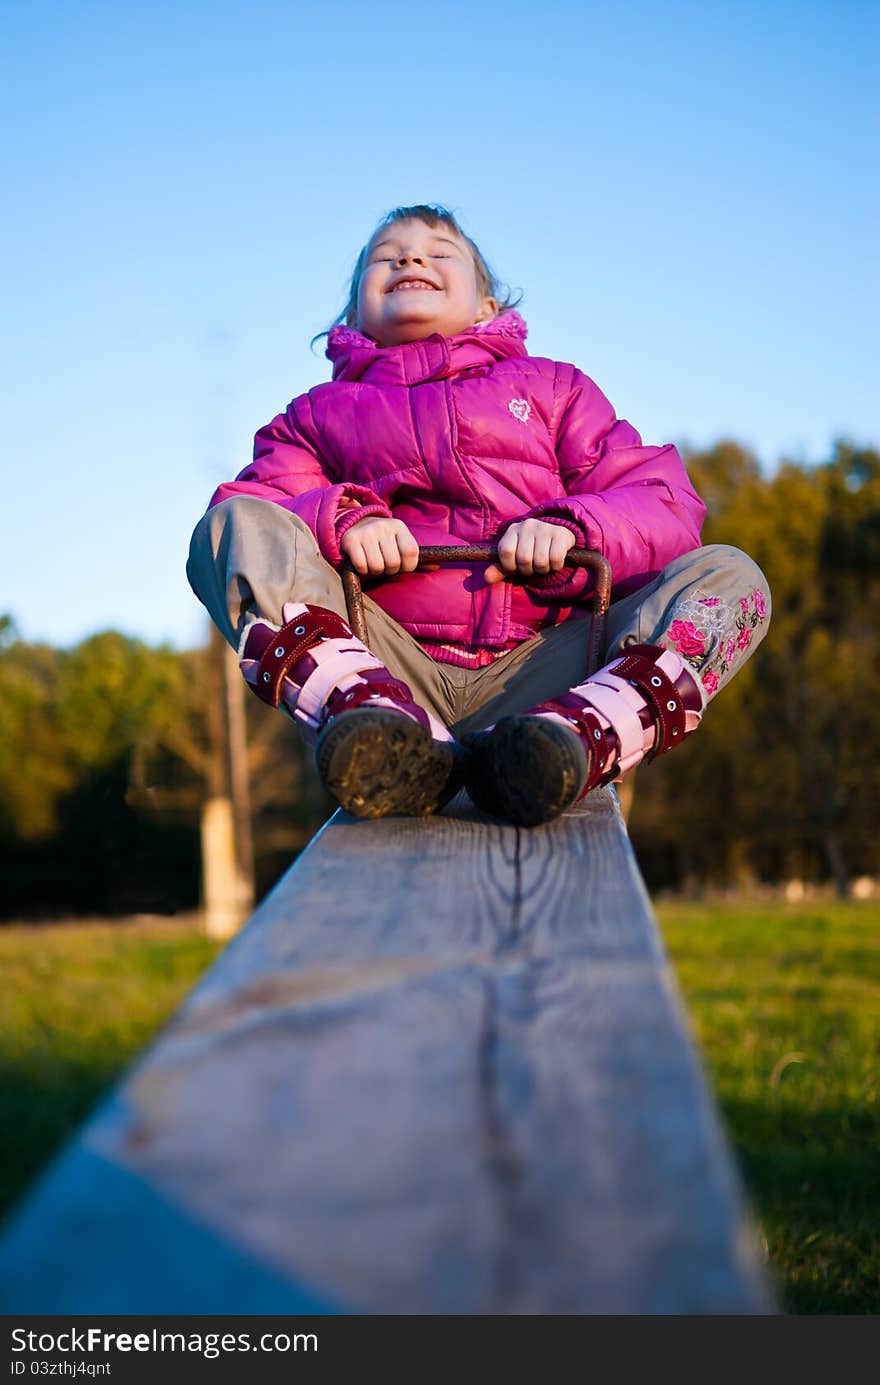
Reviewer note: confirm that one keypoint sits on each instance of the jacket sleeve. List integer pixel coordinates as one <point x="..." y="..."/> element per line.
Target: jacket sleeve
<point x="290" y="468"/>
<point x="632" y="503"/>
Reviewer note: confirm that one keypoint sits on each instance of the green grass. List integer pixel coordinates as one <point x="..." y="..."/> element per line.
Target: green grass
<point x="78" y="1002"/>
<point x="785" y="1000"/>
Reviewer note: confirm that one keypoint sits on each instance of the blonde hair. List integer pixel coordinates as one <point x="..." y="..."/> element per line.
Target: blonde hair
<point x="488" y="284"/>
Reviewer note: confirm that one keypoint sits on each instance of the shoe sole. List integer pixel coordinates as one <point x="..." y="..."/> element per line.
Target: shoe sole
<point x="377" y="762"/>
<point x="526" y="771"/>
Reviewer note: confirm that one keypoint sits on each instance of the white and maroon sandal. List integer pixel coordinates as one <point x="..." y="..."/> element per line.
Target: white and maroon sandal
<point x="376" y="750"/>
<point x="528" y="769"/>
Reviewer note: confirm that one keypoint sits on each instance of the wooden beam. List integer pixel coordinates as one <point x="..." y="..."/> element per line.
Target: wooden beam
<point x="444" y="1069"/>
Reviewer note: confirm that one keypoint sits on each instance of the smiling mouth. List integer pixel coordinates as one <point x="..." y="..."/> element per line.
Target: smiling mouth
<point x="414" y="284"/>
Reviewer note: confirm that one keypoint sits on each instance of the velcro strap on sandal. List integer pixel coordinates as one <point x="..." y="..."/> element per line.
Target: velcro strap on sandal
<point x="277" y="651"/>
<point x="337" y="665"/>
<point x="644" y="671"/>
<point x="337" y="673"/>
<point x="381" y="689"/>
<point x="618" y="702"/>
<point x="598" y="738"/>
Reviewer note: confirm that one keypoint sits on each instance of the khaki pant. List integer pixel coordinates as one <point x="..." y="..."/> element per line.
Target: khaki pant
<point x="249" y="556"/>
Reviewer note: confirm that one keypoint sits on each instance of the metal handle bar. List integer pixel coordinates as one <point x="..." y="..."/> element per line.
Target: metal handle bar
<point x="487" y="553"/>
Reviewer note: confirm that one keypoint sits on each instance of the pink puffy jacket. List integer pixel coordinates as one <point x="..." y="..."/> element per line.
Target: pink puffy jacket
<point x="460" y="437"/>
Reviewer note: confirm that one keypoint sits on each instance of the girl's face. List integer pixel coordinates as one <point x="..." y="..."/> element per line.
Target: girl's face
<point x="419" y="280"/>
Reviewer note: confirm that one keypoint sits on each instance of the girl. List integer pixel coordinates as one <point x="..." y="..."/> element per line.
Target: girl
<point x="438" y="428"/>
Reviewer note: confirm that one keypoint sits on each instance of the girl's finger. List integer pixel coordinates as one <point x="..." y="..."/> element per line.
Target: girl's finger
<point x="507" y="549"/>
<point x="390" y="554"/>
<point x="408" y="550"/>
<point x="373" y="555"/>
<point x="525" y="552"/>
<point x="562" y="542"/>
<point x="494" y="573"/>
<point x="358" y="557"/>
<point x="541" y="555"/>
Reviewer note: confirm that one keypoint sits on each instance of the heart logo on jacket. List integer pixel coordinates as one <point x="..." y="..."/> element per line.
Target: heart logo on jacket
<point x="521" y="409"/>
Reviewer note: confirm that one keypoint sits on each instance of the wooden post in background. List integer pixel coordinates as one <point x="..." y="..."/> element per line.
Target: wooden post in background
<point x="227" y="848"/>
<point x="237" y="758"/>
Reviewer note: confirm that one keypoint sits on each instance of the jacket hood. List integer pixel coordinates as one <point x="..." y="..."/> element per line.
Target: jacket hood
<point x="356" y="357"/>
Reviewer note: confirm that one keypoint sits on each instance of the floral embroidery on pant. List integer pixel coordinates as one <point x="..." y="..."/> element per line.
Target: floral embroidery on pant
<point x="708" y="626"/>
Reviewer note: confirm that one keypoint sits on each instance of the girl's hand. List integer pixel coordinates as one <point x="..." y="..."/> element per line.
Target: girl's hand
<point x="377" y="545"/>
<point x="531" y="546"/>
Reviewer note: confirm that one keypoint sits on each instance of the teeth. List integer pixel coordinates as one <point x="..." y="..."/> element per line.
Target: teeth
<point x="413" y="284"/>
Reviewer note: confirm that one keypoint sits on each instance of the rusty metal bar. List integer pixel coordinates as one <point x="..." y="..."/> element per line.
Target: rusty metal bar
<point x="430" y="556"/>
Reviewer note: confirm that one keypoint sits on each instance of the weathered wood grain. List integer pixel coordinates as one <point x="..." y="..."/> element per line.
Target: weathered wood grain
<point x="444" y="1069"/>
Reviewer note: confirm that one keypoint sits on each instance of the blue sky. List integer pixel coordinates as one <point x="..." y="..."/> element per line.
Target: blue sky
<point x="684" y="192"/>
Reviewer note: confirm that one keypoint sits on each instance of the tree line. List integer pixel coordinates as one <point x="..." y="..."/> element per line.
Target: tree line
<point x="109" y="749"/>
